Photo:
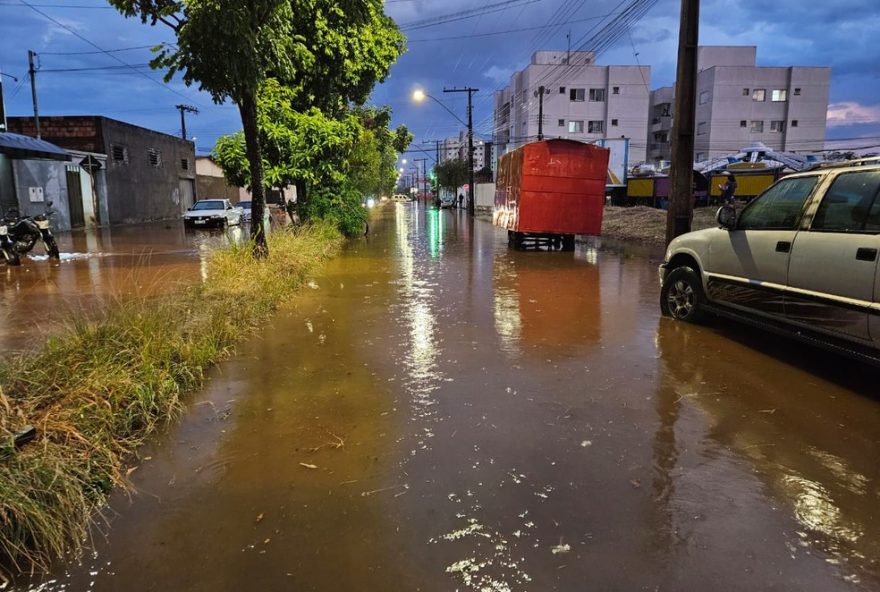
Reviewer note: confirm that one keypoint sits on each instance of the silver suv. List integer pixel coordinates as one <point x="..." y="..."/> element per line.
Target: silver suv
<point x="801" y="258"/>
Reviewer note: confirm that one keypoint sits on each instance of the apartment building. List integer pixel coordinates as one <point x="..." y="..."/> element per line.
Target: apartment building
<point x="740" y="103"/>
<point x="456" y="147"/>
<point x="581" y="101"/>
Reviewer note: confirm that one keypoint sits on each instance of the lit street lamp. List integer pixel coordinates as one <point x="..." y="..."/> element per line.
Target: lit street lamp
<point x="419" y="96"/>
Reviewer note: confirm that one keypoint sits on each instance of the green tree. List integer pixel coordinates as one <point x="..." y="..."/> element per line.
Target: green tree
<point x="452" y="174"/>
<point x="335" y="161"/>
<point x="328" y="52"/>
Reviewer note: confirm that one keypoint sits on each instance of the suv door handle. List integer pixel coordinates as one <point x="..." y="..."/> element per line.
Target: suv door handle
<point x="864" y="254"/>
<point x="783" y="247"/>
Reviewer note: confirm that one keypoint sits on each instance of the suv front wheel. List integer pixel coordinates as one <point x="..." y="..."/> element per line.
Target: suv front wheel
<point x="682" y="295"/>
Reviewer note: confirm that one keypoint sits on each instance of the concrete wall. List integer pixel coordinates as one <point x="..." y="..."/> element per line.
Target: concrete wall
<point x="51" y="176"/>
<point x="77" y="132"/>
<point x="484" y="196"/>
<point x="212" y="183"/>
<point x="138" y="189"/>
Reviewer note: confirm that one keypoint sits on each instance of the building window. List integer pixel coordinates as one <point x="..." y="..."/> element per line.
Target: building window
<point x="119" y="153"/>
<point x="577" y="94"/>
<point x="184" y="164"/>
<point x="614" y="122"/>
<point x="596" y="127"/>
<point x="575" y="127"/>
<point x="779" y="96"/>
<point x="701" y="128"/>
<point x="597" y="95"/>
<point x="777" y="126"/>
<point x="743" y="123"/>
<point x="746" y="92"/>
<point x="704" y="97"/>
<point x="525" y="95"/>
<point x="615" y="90"/>
<point x="701" y="156"/>
<point x="562" y="90"/>
<point x="155" y="157"/>
<point x="794" y="122"/>
<point x="759" y="95"/>
<point x="560" y="122"/>
<point x="797" y="92"/>
<point x="757" y="127"/>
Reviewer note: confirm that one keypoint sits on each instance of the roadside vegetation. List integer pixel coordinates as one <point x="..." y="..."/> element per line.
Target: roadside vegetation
<point x="96" y="391"/>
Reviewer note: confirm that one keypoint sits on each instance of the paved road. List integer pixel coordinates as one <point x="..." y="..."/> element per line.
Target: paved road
<point x="438" y="413"/>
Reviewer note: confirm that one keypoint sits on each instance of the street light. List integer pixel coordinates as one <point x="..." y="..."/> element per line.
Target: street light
<point x="419" y="96"/>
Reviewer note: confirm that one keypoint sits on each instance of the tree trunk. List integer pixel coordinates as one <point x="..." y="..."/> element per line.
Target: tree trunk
<point x="248" y="109"/>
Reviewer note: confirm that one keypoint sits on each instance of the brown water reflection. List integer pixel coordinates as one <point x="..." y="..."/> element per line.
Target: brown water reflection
<point x="443" y="414"/>
<point x="96" y="268"/>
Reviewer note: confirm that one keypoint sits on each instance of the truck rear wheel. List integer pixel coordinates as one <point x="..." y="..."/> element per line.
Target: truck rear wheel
<point x="568" y="242"/>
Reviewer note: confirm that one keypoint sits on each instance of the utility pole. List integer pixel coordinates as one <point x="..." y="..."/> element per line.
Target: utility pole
<point x="540" y="94"/>
<point x="424" y="162"/>
<point x="470" y="123"/>
<point x="184" y="109"/>
<point x="3" y="126"/>
<point x="681" y="173"/>
<point x="33" y="74"/>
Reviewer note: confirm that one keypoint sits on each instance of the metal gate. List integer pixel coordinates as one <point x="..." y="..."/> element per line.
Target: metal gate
<point x="187" y="194"/>
<point x="75" y="197"/>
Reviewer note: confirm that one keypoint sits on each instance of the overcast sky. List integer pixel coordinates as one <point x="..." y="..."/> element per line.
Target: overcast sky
<point x="467" y="51"/>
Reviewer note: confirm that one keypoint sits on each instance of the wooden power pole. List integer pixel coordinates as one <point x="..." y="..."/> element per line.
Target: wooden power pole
<point x="681" y="173"/>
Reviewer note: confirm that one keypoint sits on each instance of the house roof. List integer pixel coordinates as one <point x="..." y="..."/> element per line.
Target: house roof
<point x="24" y="147"/>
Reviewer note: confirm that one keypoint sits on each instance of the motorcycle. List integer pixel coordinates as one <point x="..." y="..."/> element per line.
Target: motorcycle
<point x="7" y="247"/>
<point x="24" y="233"/>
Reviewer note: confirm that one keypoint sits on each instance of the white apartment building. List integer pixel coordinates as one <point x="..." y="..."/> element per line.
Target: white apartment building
<point x="582" y="101"/>
<point x="456" y="147"/>
<point x="740" y="103"/>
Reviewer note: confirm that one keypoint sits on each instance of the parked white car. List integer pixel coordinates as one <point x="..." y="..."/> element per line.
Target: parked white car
<point x="801" y="259"/>
<point x="212" y="212"/>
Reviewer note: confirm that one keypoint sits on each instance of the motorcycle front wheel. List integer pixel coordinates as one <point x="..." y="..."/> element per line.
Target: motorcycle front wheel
<point x="52" y="248"/>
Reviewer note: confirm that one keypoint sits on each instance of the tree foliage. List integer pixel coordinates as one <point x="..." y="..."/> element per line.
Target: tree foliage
<point x="325" y="54"/>
<point x="336" y="160"/>
<point x="452" y="174"/>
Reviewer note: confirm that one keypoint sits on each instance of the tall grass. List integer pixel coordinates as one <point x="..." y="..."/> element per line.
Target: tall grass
<point x="95" y="392"/>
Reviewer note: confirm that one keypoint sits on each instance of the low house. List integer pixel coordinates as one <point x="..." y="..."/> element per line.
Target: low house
<point x="134" y="174"/>
<point x="210" y="182"/>
<point x="35" y="172"/>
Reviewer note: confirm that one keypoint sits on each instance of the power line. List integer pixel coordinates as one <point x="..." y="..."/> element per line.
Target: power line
<point x="462" y="14"/>
<point x="583" y="20"/>
<point x="77" y="53"/>
<point x="76" y="34"/>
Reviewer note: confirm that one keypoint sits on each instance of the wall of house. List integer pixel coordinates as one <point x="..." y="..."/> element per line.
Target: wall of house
<point x="51" y="176"/>
<point x="145" y="170"/>
<point x="77" y="132"/>
<point x="211" y="182"/>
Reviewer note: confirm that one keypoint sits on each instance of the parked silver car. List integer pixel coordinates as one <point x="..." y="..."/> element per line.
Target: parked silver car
<point x="212" y="212"/>
<point x="802" y="258"/>
<point x="245" y="210"/>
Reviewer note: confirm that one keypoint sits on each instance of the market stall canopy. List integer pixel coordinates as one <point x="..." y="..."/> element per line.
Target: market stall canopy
<point x="23" y="147"/>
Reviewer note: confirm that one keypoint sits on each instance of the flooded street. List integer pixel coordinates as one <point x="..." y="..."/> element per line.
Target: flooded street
<point x="437" y="413"/>
<point x="96" y="268"/>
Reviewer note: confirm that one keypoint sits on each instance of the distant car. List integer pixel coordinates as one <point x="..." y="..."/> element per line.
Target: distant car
<point x="400" y="197"/>
<point x="246" y="210"/>
<point x="447" y="201"/>
<point x="212" y="212"/>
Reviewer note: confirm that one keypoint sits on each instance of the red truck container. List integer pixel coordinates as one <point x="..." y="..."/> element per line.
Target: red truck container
<point x="547" y="192"/>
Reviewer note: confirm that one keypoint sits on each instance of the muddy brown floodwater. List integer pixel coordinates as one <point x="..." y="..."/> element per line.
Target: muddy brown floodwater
<point x="438" y="413"/>
<point x="95" y="269"/>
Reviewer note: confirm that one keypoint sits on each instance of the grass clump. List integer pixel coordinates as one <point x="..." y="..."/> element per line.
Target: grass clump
<point x="96" y="391"/>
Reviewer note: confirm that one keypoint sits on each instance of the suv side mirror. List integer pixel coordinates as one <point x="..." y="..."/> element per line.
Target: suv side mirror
<point x="726" y="217"/>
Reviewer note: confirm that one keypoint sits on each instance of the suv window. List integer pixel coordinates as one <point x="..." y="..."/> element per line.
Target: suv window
<point x="779" y="207"/>
<point x="850" y="204"/>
